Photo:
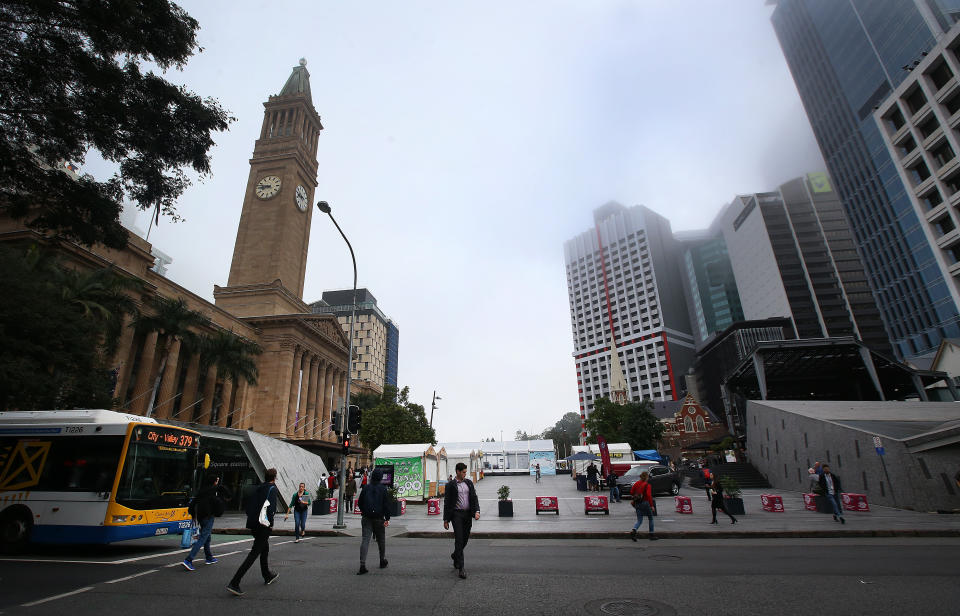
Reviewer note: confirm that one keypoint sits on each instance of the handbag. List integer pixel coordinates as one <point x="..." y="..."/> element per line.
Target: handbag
<point x="263" y="519"/>
<point x="186" y="539"/>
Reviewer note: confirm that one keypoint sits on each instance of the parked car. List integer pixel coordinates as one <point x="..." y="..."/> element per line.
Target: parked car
<point x="662" y="479"/>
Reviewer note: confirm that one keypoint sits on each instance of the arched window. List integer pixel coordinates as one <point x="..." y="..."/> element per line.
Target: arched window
<point x="688" y="424"/>
<point x="701" y="426"/>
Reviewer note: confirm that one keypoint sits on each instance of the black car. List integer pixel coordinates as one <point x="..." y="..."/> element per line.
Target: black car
<point x="661" y="480"/>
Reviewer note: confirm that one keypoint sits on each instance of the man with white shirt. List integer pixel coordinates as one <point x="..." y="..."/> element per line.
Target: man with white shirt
<point x="831" y="489"/>
<point x="460" y="506"/>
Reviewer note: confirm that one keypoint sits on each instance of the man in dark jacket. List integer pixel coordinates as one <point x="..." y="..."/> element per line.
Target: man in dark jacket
<point x="460" y="506"/>
<point x="266" y="493"/>
<point x="374" y="503"/>
<point x="207" y="504"/>
<point x="830" y="484"/>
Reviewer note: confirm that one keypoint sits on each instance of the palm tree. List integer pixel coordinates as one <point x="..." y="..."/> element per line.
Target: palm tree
<point x="232" y="355"/>
<point x="101" y="294"/>
<point x="172" y="320"/>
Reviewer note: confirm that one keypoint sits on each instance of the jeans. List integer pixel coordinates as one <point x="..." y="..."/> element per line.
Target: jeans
<point x="834" y="500"/>
<point x="261" y="548"/>
<point x="462" y="523"/>
<point x="299" y="523"/>
<point x="644" y="510"/>
<point x="614" y="493"/>
<point x="203" y="539"/>
<point x="372" y="526"/>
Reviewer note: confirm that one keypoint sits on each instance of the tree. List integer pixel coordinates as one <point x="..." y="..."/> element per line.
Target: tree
<point x="633" y="422"/>
<point x="395" y="420"/>
<point x="51" y="333"/>
<point x="523" y="436"/>
<point x="565" y="433"/>
<point x="73" y="83"/>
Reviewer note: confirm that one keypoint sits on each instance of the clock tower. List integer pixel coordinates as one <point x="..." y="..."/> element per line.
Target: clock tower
<point x="270" y="254"/>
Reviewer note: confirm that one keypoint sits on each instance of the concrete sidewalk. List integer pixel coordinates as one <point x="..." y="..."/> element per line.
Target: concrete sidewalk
<point x="795" y="521"/>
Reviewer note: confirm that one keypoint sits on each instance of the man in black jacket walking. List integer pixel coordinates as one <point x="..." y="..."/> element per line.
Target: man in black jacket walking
<point x="374" y="503"/>
<point x="207" y="505"/>
<point x="830" y="484"/>
<point x="460" y="506"/>
<point x="267" y="492"/>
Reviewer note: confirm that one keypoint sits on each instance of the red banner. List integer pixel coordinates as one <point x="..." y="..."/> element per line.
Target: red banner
<point x="604" y="456"/>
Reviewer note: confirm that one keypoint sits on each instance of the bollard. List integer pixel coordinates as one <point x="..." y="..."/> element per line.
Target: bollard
<point x="433" y="506"/>
<point x="773" y="503"/>
<point x="854" y="502"/>
<point x="595" y="503"/>
<point x="683" y="504"/>
<point x="547" y="504"/>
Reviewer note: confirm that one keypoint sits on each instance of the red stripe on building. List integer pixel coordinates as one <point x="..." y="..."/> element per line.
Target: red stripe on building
<point x="666" y="353"/>
<point x="606" y="287"/>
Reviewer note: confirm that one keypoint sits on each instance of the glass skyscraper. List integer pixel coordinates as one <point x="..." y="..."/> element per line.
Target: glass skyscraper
<point x="709" y="286"/>
<point x="846" y="57"/>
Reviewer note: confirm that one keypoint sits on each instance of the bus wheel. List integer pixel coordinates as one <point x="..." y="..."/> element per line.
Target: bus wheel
<point x="15" y="525"/>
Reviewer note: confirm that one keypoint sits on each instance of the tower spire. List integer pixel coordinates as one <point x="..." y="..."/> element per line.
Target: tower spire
<point x="298" y="82"/>
<point x="618" y="384"/>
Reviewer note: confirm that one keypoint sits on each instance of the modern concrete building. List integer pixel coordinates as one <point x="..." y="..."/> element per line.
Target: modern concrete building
<point x="792" y="255"/>
<point x="918" y="123"/>
<point x="846" y="58"/>
<point x="375" y="337"/>
<point x="709" y="285"/>
<point x="920" y="441"/>
<point x="626" y="307"/>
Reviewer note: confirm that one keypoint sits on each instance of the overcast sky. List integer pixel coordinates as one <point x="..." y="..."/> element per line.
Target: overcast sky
<point x="462" y="146"/>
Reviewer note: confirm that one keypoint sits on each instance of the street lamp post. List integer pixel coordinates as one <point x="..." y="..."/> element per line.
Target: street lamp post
<point x="324" y="207"/>
<point x="433" y="406"/>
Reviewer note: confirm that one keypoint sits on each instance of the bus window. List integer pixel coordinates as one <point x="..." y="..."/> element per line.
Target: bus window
<point x="156" y="476"/>
<point x="70" y="464"/>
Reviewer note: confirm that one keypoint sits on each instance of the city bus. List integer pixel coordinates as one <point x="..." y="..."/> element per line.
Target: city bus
<point x="92" y="476"/>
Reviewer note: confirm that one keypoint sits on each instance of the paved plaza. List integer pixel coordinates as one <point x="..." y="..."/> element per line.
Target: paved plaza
<point x="572" y="522"/>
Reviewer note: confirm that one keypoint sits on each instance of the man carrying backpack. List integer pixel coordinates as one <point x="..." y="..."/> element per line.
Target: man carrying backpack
<point x="207" y="505"/>
<point x="374" y="503"/>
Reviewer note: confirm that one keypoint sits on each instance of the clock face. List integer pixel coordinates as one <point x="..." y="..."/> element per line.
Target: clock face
<point x="302" y="198"/>
<point x="268" y="186"/>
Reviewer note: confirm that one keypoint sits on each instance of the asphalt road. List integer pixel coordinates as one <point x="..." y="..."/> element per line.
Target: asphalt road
<point x="513" y="576"/>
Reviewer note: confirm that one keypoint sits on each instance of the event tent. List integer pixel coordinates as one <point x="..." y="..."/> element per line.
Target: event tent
<point x="416" y="468"/>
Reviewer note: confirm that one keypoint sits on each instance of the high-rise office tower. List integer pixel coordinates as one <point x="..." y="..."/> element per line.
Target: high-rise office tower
<point x="623" y="280"/>
<point x="708" y="283"/>
<point x="375" y="337"/>
<point x="846" y="57"/>
<point x="793" y="256"/>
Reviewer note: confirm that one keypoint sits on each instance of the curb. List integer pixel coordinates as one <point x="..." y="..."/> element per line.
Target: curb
<point x="760" y="534"/>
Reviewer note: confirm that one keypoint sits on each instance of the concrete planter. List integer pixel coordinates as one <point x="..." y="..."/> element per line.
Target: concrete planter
<point x="505" y="508"/>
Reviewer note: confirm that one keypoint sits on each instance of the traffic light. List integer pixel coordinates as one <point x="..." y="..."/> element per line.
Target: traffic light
<point x="335" y="421"/>
<point x="346" y="445"/>
<point x="353" y="419"/>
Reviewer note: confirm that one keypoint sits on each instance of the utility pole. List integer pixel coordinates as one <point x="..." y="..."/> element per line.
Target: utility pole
<point x="433" y="405"/>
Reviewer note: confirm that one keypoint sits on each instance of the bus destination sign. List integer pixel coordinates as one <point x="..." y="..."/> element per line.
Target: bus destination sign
<point x="171" y="437"/>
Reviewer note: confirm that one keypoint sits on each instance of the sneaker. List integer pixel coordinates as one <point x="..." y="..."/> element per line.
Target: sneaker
<point x="363" y="569"/>
<point x="297" y="540"/>
<point x="273" y="578"/>
<point x="383" y="563"/>
<point x="212" y="561"/>
<point x="842" y="521"/>
<point x="188" y="565"/>
<point x="652" y="537"/>
<point x="235" y="590"/>
<point x="633" y="534"/>
<point x="834" y="517"/>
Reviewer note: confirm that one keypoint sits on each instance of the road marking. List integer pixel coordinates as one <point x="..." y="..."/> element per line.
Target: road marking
<point x="130" y="577"/>
<point x="112" y="562"/>
<point x="55" y="597"/>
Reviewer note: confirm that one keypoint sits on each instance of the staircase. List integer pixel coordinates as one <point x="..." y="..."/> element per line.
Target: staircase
<point x="743" y="472"/>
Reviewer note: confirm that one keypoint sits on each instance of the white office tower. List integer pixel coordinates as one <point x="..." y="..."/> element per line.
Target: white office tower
<point x="623" y="280"/>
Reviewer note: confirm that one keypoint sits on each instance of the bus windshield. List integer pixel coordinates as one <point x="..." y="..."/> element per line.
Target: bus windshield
<point x="158" y="470"/>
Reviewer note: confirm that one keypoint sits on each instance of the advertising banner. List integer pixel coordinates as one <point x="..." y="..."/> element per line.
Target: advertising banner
<point x="407" y="476"/>
<point x="546" y="460"/>
<point x="604" y="456"/>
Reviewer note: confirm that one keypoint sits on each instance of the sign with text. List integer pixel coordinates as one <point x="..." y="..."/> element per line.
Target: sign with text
<point x="407" y="475"/>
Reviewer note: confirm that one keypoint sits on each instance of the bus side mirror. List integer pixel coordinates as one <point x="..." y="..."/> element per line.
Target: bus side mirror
<point x="206" y="460"/>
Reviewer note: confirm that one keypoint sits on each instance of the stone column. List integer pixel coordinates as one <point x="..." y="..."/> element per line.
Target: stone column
<point x="294" y="390"/>
<point x="308" y="358"/>
<point x="318" y="411"/>
<point x="273" y="390"/>
<point x="162" y="407"/>
<point x="226" y="406"/>
<point x="122" y="361"/>
<point x="243" y="409"/>
<point x="209" y="388"/>
<point x="143" y="382"/>
<point x="311" y="416"/>
<point x="188" y="401"/>
<point x="327" y="399"/>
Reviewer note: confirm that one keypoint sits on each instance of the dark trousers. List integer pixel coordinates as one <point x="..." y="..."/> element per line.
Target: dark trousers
<point x="717" y="503"/>
<point x="261" y="549"/>
<point x="462" y="523"/>
<point x="374" y="527"/>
